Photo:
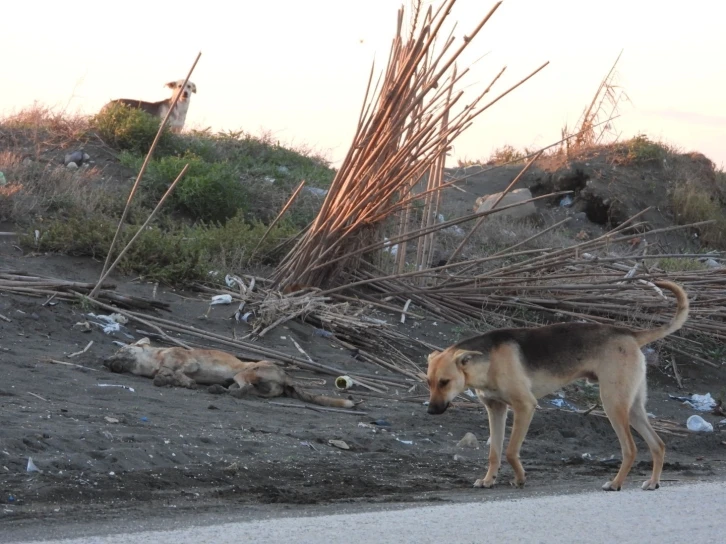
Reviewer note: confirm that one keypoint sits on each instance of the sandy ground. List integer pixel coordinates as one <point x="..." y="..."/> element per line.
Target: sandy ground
<point x="111" y="452"/>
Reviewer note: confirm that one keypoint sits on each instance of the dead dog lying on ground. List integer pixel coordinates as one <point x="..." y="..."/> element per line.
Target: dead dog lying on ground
<point x="159" y="109"/>
<point x="208" y="367"/>
<point x="515" y="367"/>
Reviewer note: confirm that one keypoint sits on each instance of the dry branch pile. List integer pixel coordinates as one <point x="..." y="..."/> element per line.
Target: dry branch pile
<point x="605" y="280"/>
<point x="404" y="131"/>
<point x="54" y="289"/>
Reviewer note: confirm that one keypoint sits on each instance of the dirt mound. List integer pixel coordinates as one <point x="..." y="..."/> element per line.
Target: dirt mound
<point x="610" y="184"/>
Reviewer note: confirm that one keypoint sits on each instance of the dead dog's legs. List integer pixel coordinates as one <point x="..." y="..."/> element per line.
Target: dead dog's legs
<point x="497" y="412"/>
<point x="167" y="376"/>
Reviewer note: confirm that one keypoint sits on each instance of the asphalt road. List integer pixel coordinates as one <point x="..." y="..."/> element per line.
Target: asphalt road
<point x="676" y="513"/>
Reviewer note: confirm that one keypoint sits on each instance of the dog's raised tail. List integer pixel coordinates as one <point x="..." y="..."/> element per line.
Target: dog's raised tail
<point x="651" y="335"/>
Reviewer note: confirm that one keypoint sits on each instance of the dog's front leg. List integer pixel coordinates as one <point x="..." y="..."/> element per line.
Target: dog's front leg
<point x="497" y="412"/>
<point x="523" y="412"/>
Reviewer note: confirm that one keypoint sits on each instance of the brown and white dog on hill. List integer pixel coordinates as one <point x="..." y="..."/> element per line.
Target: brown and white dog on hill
<point x="198" y="367"/>
<point x="515" y="367"/>
<point x="160" y="109"/>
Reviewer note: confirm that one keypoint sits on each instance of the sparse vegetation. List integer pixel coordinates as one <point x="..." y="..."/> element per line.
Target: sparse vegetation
<point x="692" y="203"/>
<point x="642" y="149"/>
<point x="670" y="264"/>
<point x="235" y="186"/>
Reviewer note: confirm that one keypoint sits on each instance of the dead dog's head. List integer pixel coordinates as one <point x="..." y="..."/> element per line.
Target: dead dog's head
<point x="129" y="358"/>
<point x="447" y="376"/>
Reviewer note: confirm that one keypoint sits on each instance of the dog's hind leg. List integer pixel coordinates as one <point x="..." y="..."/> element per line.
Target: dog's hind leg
<point x="523" y="412"/>
<point x="639" y="421"/>
<point x="616" y="403"/>
<point x="497" y="412"/>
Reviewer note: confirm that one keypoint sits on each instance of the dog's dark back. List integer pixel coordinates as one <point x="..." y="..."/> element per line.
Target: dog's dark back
<point x="151" y="108"/>
<point x="558" y="348"/>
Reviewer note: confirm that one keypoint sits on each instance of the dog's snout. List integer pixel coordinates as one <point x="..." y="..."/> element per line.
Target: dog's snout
<point x="437" y="407"/>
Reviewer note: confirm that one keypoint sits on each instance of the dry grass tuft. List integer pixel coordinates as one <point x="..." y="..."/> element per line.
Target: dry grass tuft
<point x="35" y="188"/>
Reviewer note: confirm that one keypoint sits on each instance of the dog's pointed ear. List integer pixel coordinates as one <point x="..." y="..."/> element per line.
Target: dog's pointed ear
<point x="143" y="342"/>
<point x="171" y="84"/>
<point x="194" y="87"/>
<point x="432" y="355"/>
<point x="463" y="357"/>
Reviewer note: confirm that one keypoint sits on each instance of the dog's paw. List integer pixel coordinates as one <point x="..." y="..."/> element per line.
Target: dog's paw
<point x="217" y="389"/>
<point x="486" y="484"/>
<point x="517" y="484"/>
<point x="609" y="486"/>
<point x="161" y="381"/>
<point x="649" y="485"/>
<point x="236" y="392"/>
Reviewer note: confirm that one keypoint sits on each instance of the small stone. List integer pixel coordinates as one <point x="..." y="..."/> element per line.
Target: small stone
<point x="111" y="419"/>
<point x="339" y="444"/>
<point x="712" y="263"/>
<point x="469" y="441"/>
<point x="72" y="166"/>
<point x="459" y="458"/>
<point x="232" y="468"/>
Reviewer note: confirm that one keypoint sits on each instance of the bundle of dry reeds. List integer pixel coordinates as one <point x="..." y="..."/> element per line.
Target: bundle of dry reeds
<point x="601" y="280"/>
<point x="406" y="126"/>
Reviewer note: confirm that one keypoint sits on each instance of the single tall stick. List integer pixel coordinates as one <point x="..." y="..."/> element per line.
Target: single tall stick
<point x="141" y="229"/>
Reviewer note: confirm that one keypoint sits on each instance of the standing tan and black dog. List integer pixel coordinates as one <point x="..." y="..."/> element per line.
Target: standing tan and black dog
<point x="515" y="367"/>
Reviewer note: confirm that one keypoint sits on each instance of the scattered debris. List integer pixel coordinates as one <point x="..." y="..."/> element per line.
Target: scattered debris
<point x="232" y="468"/>
<point x="76" y="159"/>
<point x="340" y="444"/>
<point x="31" y="466"/>
<point x="698" y="424"/>
<point x="116" y="385"/>
<point x="407" y="442"/>
<point x="83" y="326"/>
<point x="562" y="403"/>
<point x="343" y="382"/>
<point x="84" y="350"/>
<point x="702" y="403"/>
<point x="316" y="191"/>
<point x="110" y="419"/>
<point x="486" y="202"/>
<point x="469" y="441"/>
<point x="221" y="299"/>
<point x="381" y="423"/>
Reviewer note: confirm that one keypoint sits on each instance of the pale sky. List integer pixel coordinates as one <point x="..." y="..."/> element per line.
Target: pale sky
<point x="298" y="69"/>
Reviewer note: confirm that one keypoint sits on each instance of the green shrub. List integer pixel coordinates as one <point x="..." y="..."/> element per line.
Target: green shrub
<point x="131" y="129"/>
<point x="171" y="253"/>
<point x="642" y="149"/>
<point x="209" y="191"/>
